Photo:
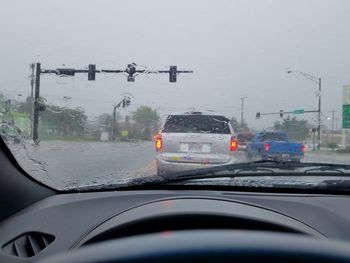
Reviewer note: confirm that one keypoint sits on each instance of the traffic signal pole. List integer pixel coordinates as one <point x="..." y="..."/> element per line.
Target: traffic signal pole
<point x="131" y="70"/>
<point x="317" y="81"/>
<point x="36" y="104"/>
<point x="125" y="102"/>
<point x="32" y="84"/>
<point x="281" y="112"/>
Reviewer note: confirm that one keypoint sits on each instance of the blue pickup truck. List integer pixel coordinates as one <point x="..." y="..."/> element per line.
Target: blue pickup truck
<point x="270" y="145"/>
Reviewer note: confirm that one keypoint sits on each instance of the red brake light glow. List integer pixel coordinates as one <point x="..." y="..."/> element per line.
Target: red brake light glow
<point x="234" y="144"/>
<point x="267" y="147"/>
<point x="158" y="142"/>
<point x="303" y="148"/>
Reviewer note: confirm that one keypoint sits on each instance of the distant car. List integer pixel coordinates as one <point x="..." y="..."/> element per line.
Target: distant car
<point x="194" y="140"/>
<point x="243" y="138"/>
<point x="269" y="145"/>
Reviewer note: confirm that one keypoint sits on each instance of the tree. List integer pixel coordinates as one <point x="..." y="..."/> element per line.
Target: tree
<point x="67" y="120"/>
<point x="236" y="125"/>
<point x="295" y="129"/>
<point x="146" y="120"/>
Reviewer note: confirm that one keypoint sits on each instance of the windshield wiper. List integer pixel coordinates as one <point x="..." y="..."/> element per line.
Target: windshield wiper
<point x="237" y="170"/>
<point x="241" y="169"/>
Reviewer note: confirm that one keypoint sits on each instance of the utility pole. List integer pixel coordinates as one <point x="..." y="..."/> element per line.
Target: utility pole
<point x="242" y="110"/>
<point x="319" y="116"/>
<point x="36" y="104"/>
<point x="318" y="81"/>
<point x="332" y="125"/>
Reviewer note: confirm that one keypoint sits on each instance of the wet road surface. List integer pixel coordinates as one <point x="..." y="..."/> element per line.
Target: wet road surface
<point x="63" y="164"/>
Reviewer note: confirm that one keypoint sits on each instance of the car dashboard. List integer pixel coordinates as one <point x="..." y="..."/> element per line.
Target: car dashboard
<point x="68" y="222"/>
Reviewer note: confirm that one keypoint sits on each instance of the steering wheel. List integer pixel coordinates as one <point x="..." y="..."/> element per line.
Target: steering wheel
<point x="211" y="246"/>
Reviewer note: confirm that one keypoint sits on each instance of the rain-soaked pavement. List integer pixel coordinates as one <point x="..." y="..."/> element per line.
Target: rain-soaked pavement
<point x="63" y="164"/>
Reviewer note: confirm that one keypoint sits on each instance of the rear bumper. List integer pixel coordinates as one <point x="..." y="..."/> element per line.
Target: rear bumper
<point x="282" y="156"/>
<point x="165" y="167"/>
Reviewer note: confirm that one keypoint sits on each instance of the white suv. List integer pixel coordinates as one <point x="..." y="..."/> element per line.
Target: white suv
<point x="193" y="140"/>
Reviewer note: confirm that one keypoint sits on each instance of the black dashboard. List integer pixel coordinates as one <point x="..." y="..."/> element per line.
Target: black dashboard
<point x="67" y="222"/>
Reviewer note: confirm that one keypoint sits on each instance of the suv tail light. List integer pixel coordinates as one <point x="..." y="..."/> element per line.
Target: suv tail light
<point x="158" y="142"/>
<point x="267" y="147"/>
<point x="302" y="148"/>
<point x="233" y="144"/>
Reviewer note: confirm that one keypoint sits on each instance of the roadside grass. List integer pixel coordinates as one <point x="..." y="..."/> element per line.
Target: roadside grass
<point x="70" y="138"/>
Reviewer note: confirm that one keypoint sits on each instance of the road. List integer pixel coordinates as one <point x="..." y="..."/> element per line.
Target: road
<point x="63" y="164"/>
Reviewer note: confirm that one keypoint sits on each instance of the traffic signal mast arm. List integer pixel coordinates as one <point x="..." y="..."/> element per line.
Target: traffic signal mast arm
<point x="130" y="70"/>
<point x="258" y="114"/>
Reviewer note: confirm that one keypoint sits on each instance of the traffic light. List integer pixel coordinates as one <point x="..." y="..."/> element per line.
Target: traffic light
<point x="92" y="72"/>
<point x="42" y="106"/>
<point x="126" y="102"/>
<point x="131" y="70"/>
<point x="281" y="113"/>
<point x="258" y="114"/>
<point x="172" y="73"/>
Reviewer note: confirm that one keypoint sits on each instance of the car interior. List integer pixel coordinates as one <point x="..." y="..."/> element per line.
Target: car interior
<point x="170" y="223"/>
<point x="175" y="131"/>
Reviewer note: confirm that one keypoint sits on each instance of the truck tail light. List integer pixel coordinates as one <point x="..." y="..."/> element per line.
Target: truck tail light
<point x="267" y="147"/>
<point x="233" y="144"/>
<point x="303" y="148"/>
<point x="158" y="142"/>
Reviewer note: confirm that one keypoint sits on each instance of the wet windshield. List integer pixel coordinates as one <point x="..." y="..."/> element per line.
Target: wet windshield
<point x="106" y="92"/>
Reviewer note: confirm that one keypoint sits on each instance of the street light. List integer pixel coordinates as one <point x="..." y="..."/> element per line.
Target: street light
<point x="242" y="110"/>
<point x="318" y="82"/>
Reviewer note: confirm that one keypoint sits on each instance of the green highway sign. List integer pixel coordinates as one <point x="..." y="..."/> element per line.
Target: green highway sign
<point x="346" y="116"/>
<point x="298" y="111"/>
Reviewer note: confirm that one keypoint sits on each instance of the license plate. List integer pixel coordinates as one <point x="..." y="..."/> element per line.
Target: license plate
<point x="285" y="156"/>
<point x="195" y="147"/>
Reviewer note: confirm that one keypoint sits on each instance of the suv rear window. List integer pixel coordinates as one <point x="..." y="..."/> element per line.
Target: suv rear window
<point x="196" y="124"/>
<point x="245" y="137"/>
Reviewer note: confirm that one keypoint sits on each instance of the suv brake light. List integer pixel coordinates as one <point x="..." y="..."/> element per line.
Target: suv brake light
<point x="233" y="144"/>
<point x="303" y="148"/>
<point x="158" y="142"/>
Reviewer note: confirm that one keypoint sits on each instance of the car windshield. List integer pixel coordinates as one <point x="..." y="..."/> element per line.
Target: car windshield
<point x="107" y="93"/>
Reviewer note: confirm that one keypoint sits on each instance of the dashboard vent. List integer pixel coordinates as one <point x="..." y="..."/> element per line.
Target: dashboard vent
<point x="28" y="244"/>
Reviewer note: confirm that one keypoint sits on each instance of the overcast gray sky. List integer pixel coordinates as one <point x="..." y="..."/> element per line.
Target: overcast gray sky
<point x="236" y="49"/>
